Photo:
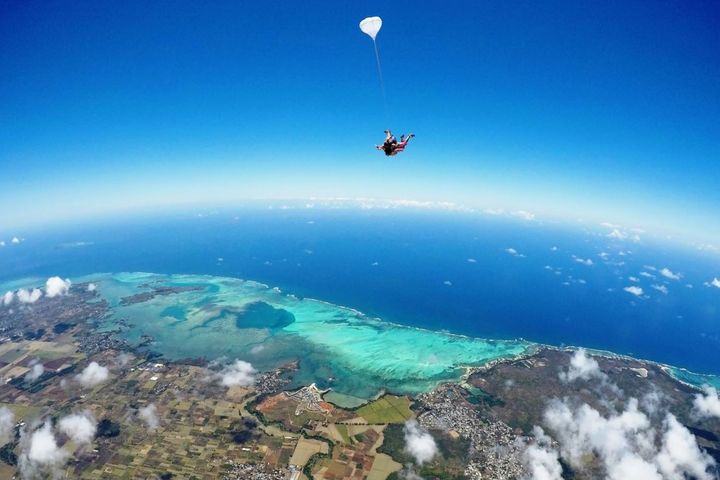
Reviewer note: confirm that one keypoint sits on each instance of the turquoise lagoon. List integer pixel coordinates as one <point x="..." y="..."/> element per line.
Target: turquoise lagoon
<point x="337" y="347"/>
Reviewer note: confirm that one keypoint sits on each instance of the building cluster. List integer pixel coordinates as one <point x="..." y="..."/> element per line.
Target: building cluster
<point x="254" y="471"/>
<point x="309" y="399"/>
<point x="91" y="343"/>
<point x="271" y="382"/>
<point x="495" y="450"/>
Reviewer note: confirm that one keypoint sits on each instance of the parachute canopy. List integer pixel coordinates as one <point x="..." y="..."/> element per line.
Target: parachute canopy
<point x="371" y="26"/>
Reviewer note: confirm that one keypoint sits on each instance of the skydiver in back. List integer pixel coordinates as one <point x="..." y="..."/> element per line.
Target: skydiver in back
<point x="391" y="146"/>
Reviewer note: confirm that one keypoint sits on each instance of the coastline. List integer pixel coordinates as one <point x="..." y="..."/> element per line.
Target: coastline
<point x="356" y="319"/>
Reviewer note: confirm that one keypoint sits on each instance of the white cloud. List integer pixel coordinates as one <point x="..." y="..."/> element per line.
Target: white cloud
<point x="525" y="215"/>
<point x="680" y="456"/>
<point x="7" y="425"/>
<point x="471" y="260"/>
<point x="514" y="252"/>
<point x="661" y="288"/>
<point x="40" y="456"/>
<point x="408" y="473"/>
<point x="239" y="373"/>
<point x="541" y="459"/>
<point x="257" y="349"/>
<point x="447" y="283"/>
<point x="149" y="415"/>
<point x="7" y="299"/>
<point x="56" y="286"/>
<point x="92" y="375"/>
<point x="554" y="249"/>
<point x="647" y="275"/>
<point x="581" y="367"/>
<point x="667" y="273"/>
<point x="15" y="240"/>
<point x="585" y="261"/>
<point x="91" y="287"/>
<point x="124" y="358"/>
<point x="26" y="296"/>
<point x="708" y="405"/>
<point x="626" y="444"/>
<point x="633" y="279"/>
<point x="419" y="443"/>
<point x="79" y="427"/>
<point x="637" y="291"/>
<point x="715" y="282"/>
<point x="617" y="234"/>
<point x="35" y="372"/>
<point x="2" y="243"/>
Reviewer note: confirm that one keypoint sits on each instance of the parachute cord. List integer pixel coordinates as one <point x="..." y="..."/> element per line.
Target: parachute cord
<point x="382" y="82"/>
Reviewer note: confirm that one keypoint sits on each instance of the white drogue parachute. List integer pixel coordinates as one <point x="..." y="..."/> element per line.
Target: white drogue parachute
<point x="371" y="26"/>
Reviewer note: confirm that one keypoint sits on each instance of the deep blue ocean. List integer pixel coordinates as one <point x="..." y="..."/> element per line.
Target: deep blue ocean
<point x="439" y="270"/>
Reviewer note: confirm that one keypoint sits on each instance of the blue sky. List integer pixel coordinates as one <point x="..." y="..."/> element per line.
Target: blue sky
<point x="601" y="110"/>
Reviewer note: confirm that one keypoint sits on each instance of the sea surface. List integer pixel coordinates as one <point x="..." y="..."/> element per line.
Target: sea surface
<point x="484" y="276"/>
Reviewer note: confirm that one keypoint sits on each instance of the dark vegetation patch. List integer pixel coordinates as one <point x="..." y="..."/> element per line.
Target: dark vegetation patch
<point x="62" y="327"/>
<point x="7" y="455"/>
<point x="107" y="428"/>
<point x="243" y="431"/>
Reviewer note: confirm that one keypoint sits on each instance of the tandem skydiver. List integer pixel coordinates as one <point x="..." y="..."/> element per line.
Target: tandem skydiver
<point x="391" y="146"/>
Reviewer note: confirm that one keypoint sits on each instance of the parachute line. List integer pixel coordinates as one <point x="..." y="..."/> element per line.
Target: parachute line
<point x="380" y="74"/>
<point x="382" y="82"/>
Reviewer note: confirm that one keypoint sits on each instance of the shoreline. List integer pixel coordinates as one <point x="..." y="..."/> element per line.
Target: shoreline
<point x="680" y="374"/>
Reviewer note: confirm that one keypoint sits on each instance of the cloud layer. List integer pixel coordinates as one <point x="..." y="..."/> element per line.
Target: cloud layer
<point x="7" y="423"/>
<point x="625" y="443"/>
<point x="28" y="296"/>
<point x="707" y="405"/>
<point x="7" y="299"/>
<point x="581" y="367"/>
<point x="667" y="273"/>
<point x="35" y="372"/>
<point x="56" y="286"/>
<point x="542" y="461"/>
<point x="148" y="414"/>
<point x="634" y="290"/>
<point x="239" y="373"/>
<point x="40" y="455"/>
<point x="79" y="427"/>
<point x="419" y="443"/>
<point x="92" y="375"/>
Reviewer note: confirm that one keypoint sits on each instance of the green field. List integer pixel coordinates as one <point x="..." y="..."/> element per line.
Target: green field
<point x="387" y="409"/>
<point x="22" y="412"/>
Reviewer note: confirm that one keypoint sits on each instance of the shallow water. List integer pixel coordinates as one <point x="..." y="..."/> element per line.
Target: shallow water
<point x="337" y="347"/>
